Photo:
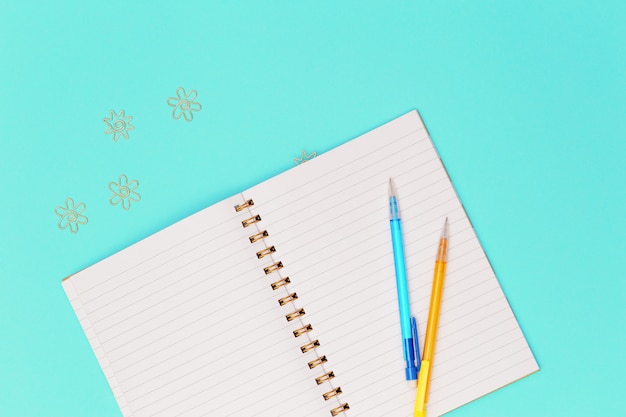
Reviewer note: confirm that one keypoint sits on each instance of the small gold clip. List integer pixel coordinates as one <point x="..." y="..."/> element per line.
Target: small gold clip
<point x="302" y="330"/>
<point x="258" y="236"/>
<point x="326" y="377"/>
<point x="311" y="345"/>
<point x="317" y="362"/>
<point x="330" y="394"/>
<point x="276" y="285"/>
<point x="295" y="314"/>
<point x="251" y="220"/>
<point x="243" y="205"/>
<point x="265" y="252"/>
<point x="274" y="267"/>
<point x="342" y="408"/>
<point x="288" y="299"/>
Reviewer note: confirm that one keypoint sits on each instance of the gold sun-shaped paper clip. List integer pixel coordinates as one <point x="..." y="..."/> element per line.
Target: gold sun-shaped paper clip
<point x="304" y="158"/>
<point x="119" y="125"/>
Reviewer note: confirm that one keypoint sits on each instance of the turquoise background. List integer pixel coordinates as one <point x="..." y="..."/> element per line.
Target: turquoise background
<point x="525" y="102"/>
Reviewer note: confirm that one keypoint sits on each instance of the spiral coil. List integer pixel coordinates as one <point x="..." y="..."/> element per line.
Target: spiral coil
<point x="296" y="315"/>
<point x="280" y="283"/>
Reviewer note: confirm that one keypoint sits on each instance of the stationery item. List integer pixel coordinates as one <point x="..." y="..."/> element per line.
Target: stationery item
<point x="433" y="323"/>
<point x="408" y="324"/>
<point x="287" y="306"/>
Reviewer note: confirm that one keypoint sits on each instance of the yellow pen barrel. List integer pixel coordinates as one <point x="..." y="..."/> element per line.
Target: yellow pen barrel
<point x="423" y="380"/>
<point x="435" y="305"/>
<point x="422" y="390"/>
<point x="433" y="311"/>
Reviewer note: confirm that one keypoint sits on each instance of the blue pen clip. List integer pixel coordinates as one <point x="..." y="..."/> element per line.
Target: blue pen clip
<point x="416" y="344"/>
<point x="412" y="353"/>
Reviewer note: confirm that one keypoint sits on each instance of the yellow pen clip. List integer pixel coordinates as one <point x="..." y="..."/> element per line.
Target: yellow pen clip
<point x="422" y="389"/>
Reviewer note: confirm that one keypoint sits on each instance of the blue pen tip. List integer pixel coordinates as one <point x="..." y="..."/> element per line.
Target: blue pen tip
<point x="392" y="188"/>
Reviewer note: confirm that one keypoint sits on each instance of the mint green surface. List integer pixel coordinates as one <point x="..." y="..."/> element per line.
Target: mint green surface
<point x="525" y="101"/>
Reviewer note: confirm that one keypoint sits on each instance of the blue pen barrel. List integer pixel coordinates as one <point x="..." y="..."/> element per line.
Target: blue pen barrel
<point x="401" y="282"/>
<point x="407" y="325"/>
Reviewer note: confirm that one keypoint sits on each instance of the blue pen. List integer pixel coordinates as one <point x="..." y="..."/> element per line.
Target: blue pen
<point x="408" y="324"/>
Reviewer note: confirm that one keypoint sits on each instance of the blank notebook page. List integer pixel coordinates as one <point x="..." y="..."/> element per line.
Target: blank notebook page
<point x="329" y="221"/>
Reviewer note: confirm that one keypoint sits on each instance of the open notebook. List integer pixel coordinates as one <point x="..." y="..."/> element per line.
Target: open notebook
<point x="296" y="313"/>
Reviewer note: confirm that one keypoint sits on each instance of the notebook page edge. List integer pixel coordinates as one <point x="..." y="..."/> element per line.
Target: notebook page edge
<point x="482" y="247"/>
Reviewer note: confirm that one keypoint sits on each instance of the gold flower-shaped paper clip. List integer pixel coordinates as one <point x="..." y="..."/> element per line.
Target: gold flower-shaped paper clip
<point x="71" y="215"/>
<point x="304" y="158"/>
<point x="184" y="104"/>
<point x="124" y="192"/>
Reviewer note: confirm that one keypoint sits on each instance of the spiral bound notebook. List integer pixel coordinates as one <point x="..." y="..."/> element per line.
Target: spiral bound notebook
<point x="281" y="300"/>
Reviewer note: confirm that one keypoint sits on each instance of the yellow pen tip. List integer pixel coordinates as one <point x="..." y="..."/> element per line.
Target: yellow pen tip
<point x="444" y="231"/>
<point x="421" y="413"/>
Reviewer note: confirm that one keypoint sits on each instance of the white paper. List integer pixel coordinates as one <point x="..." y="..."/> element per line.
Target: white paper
<point x="186" y="323"/>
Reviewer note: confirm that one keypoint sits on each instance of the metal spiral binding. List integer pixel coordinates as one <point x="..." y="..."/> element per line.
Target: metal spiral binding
<point x="258" y="236"/>
<point x="251" y="221"/>
<point x="260" y="254"/>
<point x="302" y="330"/>
<point x="342" y="408"/>
<point x="281" y="283"/>
<point x="330" y="394"/>
<point x="272" y="268"/>
<point x="288" y="299"/>
<point x="326" y="377"/>
<point x="317" y="362"/>
<point x="244" y="205"/>
<point x="297" y="314"/>
<point x="309" y="346"/>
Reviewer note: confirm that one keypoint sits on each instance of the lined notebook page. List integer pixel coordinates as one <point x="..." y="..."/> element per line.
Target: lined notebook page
<point x="183" y="324"/>
<point x="329" y="222"/>
<point x="186" y="323"/>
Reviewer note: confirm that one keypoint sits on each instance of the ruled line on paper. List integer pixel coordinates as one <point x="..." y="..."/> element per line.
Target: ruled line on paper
<point x="357" y="231"/>
<point x="383" y="145"/>
<point x="161" y="324"/>
<point x="485" y="341"/>
<point x="171" y="320"/>
<point x="350" y="214"/>
<point x="156" y="255"/>
<point x="232" y="375"/>
<point x="130" y="280"/>
<point x="321" y="200"/>
<point x="343" y="260"/>
<point x="385" y="254"/>
<point x="340" y="312"/>
<point x="390" y="316"/>
<point x="488" y="376"/>
<point x="357" y="331"/>
<point x="193" y="276"/>
<point x="456" y="386"/>
<point x="237" y="351"/>
<point x="154" y="281"/>
<point x="284" y="201"/>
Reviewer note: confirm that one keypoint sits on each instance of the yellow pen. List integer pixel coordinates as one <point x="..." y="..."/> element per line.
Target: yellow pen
<point x="423" y="380"/>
